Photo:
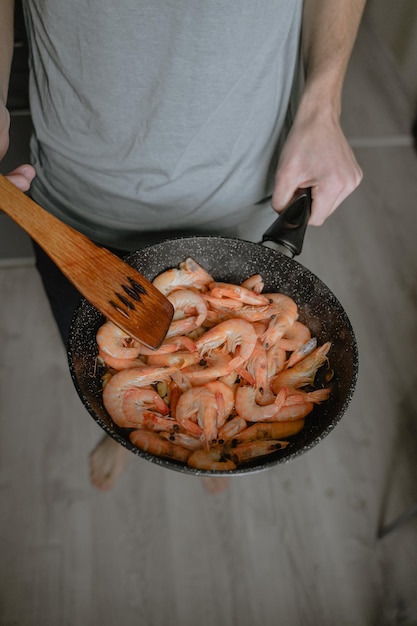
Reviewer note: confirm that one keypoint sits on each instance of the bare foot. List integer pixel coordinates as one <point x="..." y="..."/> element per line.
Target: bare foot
<point x="216" y="484"/>
<point x="107" y="462"/>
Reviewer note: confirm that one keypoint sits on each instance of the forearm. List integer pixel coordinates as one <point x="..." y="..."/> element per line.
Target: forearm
<point x="329" y="33"/>
<point x="316" y="153"/>
<point x="6" y="46"/>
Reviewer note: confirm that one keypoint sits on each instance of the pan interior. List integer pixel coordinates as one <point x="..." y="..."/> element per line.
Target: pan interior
<point x="231" y="260"/>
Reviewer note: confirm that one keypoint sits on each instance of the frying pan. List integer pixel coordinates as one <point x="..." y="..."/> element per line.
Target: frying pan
<point x="234" y="260"/>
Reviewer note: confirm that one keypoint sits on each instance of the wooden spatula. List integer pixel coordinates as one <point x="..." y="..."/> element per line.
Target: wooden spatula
<point x="118" y="291"/>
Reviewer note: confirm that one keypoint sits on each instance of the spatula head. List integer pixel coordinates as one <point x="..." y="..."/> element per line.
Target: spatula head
<point x="124" y="296"/>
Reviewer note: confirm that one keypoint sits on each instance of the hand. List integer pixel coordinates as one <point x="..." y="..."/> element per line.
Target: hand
<point x="22" y="176"/>
<point x="317" y="155"/>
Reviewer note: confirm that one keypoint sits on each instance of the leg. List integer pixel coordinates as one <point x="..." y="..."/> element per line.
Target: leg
<point x="107" y="462"/>
<point x="215" y="484"/>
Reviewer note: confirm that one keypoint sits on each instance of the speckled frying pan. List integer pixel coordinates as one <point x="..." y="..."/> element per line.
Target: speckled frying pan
<point x="234" y="260"/>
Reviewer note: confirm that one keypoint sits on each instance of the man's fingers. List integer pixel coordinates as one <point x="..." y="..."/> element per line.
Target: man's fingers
<point x="284" y="191"/>
<point x="327" y="192"/>
<point x="22" y="176"/>
<point x="282" y="196"/>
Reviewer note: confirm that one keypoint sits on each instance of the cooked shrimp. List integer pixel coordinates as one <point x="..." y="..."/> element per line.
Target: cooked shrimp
<point x="225" y="399"/>
<point x="259" y="327"/>
<point x="144" y="408"/>
<point x="216" y="366"/>
<point x="254" y="282"/>
<point x="189" y="274"/>
<point x="215" y="316"/>
<point x="257" y="366"/>
<point x="247" y="407"/>
<point x="237" y="292"/>
<point x="174" y="395"/>
<point x="231" y="428"/>
<point x="115" y="389"/>
<point x="285" y="313"/>
<point x="187" y="302"/>
<point x="184" y="440"/>
<point x="157" y="445"/>
<point x="277" y="358"/>
<point x="198" y="404"/>
<point x="275" y="362"/>
<point x="170" y="344"/>
<point x="268" y="430"/>
<point x="230" y="379"/>
<point x="113" y="341"/>
<point x="292" y="412"/>
<point x="301" y="352"/>
<point x="120" y="364"/>
<point x="179" y="359"/>
<point x="285" y="303"/>
<point x="295" y="337"/>
<point x="252" y="314"/>
<point x="181" y="381"/>
<point x="170" y="391"/>
<point x="212" y="459"/>
<point x="141" y="399"/>
<point x="304" y="372"/>
<point x="256" y="449"/>
<point x="231" y="333"/>
<point x="227" y="307"/>
<point x="297" y="396"/>
<point x="183" y="326"/>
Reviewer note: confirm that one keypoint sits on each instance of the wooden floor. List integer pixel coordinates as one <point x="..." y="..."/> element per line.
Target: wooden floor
<point x="293" y="546"/>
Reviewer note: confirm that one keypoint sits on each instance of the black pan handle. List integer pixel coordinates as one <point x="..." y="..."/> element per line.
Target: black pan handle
<point x="288" y="230"/>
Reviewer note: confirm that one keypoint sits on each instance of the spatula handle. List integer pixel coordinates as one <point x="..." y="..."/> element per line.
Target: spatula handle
<point x="55" y="237"/>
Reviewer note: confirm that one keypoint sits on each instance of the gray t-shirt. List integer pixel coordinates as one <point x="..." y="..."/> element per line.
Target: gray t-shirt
<point x="158" y="114"/>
